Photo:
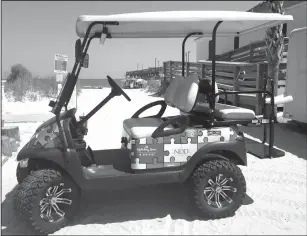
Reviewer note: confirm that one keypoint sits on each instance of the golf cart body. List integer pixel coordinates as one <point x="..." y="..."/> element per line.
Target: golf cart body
<point x="155" y="149"/>
<point x="168" y="147"/>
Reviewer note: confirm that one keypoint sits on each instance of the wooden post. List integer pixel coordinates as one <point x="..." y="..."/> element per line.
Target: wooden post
<point x="14" y="146"/>
<point x="170" y="71"/>
<point x="187" y="69"/>
<point x="236" y="84"/>
<point x="259" y="86"/>
<point x="6" y="146"/>
<point x="203" y="70"/>
<point x="11" y="132"/>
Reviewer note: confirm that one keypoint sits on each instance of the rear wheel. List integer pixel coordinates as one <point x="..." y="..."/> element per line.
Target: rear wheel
<point x="218" y="188"/>
<point x="46" y="200"/>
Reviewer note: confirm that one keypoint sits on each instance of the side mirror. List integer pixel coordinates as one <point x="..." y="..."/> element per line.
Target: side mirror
<point x="104" y="34"/>
<point x="85" y="61"/>
<point x="103" y="38"/>
<point x="78" y="49"/>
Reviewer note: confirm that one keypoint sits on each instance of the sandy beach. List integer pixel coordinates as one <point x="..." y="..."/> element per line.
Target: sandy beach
<point x="275" y="203"/>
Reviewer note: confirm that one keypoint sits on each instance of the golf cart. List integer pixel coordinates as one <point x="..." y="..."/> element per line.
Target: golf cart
<point x="202" y="147"/>
<point x="133" y="83"/>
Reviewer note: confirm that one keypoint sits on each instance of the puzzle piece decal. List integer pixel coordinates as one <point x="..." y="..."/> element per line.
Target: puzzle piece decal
<point x="175" y="150"/>
<point x="155" y="164"/>
<point x="154" y="140"/>
<point x="232" y="134"/>
<point x="172" y="163"/>
<point x="189" y="133"/>
<point x="146" y="152"/>
<point x="176" y="138"/>
<point x="136" y="165"/>
<point x="55" y="127"/>
<point x="179" y="152"/>
<point x="45" y="136"/>
<point x="142" y="141"/>
<point x="53" y="143"/>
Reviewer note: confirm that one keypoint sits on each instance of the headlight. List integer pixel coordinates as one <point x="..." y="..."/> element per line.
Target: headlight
<point x="24" y="163"/>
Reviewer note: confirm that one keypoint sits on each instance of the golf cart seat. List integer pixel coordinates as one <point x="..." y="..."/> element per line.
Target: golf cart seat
<point x="181" y="94"/>
<point x="138" y="128"/>
<point x="226" y="112"/>
<point x="222" y="111"/>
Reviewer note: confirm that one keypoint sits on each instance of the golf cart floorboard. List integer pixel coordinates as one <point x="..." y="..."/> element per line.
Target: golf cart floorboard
<point x="261" y="150"/>
<point x="102" y="171"/>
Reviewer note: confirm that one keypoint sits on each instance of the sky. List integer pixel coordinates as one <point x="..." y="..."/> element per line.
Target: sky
<point x="34" y="31"/>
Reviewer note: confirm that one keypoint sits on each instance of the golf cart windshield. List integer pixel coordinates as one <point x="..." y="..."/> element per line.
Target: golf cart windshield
<point x="169" y="24"/>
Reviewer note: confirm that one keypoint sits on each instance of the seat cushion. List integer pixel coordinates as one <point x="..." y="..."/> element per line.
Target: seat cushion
<point x="169" y="94"/>
<point x="139" y="128"/>
<point x="226" y="112"/>
<point x="187" y="93"/>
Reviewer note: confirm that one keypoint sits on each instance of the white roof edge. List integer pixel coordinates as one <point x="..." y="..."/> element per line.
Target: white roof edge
<point x="180" y="16"/>
<point x="173" y="18"/>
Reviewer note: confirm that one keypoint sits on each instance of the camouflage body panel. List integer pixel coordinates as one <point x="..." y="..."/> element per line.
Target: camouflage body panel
<point x="46" y="137"/>
<point x="174" y="150"/>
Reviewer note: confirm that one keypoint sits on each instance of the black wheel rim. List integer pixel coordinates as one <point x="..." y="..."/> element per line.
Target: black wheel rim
<point x="219" y="192"/>
<point x="55" y="203"/>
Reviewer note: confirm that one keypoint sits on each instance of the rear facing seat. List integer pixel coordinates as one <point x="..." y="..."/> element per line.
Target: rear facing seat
<point x="222" y="111"/>
<point x="226" y="112"/>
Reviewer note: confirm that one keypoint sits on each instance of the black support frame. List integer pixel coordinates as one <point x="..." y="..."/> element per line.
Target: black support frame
<point x="62" y="102"/>
<point x="272" y="116"/>
<point x="183" y="48"/>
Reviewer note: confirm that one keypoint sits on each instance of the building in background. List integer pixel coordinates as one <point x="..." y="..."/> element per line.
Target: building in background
<point x="297" y="9"/>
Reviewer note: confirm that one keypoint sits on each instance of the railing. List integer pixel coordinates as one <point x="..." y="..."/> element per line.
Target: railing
<point x="243" y="69"/>
<point x="238" y="76"/>
<point x="145" y="73"/>
<point x="254" y="52"/>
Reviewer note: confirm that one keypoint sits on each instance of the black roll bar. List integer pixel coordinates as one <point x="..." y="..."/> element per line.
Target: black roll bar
<point x="272" y="117"/>
<point x="183" y="48"/>
<point x="212" y="101"/>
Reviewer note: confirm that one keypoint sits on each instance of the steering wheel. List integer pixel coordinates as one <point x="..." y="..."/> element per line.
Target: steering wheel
<point x="117" y="89"/>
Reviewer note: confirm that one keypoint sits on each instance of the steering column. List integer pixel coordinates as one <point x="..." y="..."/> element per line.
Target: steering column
<point x="115" y="91"/>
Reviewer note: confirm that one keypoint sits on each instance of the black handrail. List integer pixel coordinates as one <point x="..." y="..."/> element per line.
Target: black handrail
<point x="183" y="48"/>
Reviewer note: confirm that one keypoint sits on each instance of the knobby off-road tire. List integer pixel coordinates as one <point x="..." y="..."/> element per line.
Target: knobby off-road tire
<point x="231" y="182"/>
<point x="31" y="197"/>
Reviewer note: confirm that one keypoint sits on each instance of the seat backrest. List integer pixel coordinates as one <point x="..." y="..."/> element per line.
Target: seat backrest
<point x="171" y="90"/>
<point x="205" y="87"/>
<point x="186" y="93"/>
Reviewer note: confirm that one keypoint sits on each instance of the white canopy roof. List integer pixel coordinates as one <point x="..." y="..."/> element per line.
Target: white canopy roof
<point x="173" y="24"/>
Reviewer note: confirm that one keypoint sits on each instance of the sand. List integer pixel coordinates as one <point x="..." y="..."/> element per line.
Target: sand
<point x="276" y="188"/>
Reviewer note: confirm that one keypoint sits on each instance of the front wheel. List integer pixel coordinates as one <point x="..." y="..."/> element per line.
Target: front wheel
<point x="218" y="188"/>
<point x="46" y="200"/>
